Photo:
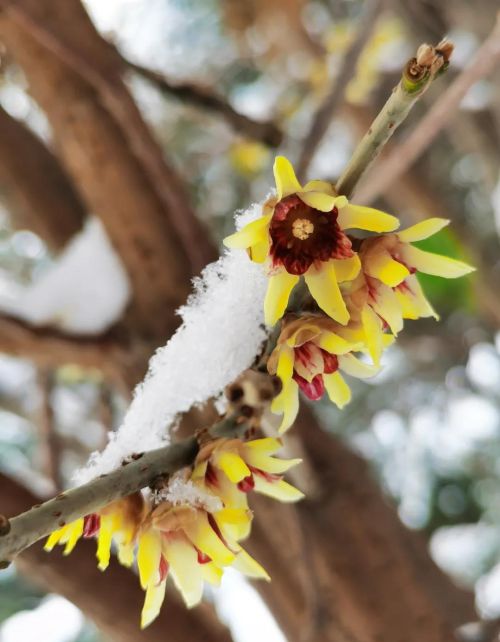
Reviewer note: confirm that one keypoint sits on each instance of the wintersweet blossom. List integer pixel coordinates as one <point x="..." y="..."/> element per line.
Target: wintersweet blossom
<point x="232" y="468"/>
<point x="193" y="546"/>
<point x="118" y="522"/>
<point x="302" y="232"/>
<point x="309" y="355"/>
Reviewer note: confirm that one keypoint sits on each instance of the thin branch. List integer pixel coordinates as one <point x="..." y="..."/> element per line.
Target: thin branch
<point x="416" y="78"/>
<point x="206" y="99"/>
<point x="49" y="443"/>
<point x="333" y="101"/>
<point x="404" y="155"/>
<point x="144" y="469"/>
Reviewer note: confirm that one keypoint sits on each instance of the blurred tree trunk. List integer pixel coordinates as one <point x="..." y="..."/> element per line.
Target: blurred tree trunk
<point x="112" y="600"/>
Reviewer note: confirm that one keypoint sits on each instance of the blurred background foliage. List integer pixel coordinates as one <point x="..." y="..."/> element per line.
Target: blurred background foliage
<point x="430" y="422"/>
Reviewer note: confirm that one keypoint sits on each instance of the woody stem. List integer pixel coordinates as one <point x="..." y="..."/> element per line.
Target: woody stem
<point x="416" y="78"/>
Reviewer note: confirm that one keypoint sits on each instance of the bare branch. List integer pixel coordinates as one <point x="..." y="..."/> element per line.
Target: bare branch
<point x="206" y="99"/>
<point x="333" y="101"/>
<point x="39" y="195"/>
<point x="416" y="78"/>
<point x="49" y="445"/>
<point x="405" y="154"/>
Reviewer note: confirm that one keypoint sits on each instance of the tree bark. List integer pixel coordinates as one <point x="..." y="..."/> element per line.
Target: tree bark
<point x="112" y="599"/>
<point x="38" y="192"/>
<point x="140" y="215"/>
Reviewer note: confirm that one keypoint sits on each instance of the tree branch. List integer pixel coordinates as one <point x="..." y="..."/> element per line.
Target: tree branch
<point x="333" y="101"/>
<point x="49" y="443"/>
<point x="207" y="100"/>
<point x="417" y="76"/>
<point x="484" y="62"/>
<point x="38" y="192"/>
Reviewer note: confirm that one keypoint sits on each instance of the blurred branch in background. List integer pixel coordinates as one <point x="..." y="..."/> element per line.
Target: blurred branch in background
<point x="439" y="115"/>
<point x="323" y="117"/>
<point x="49" y="445"/>
<point x="206" y="99"/>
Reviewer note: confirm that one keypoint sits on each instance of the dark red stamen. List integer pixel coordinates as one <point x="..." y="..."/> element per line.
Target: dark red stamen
<point x="312" y="389"/>
<point x="247" y="484"/>
<point x="163" y="568"/>
<point x="211" y="475"/>
<point x="203" y="558"/>
<point x="330" y="361"/>
<point x="270" y="477"/>
<point x="324" y="242"/>
<point x="91" y="525"/>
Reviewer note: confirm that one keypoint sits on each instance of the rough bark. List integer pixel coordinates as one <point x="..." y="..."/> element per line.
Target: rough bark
<point x="122" y="182"/>
<point x="351" y="572"/>
<point x="38" y="192"/>
<point x="112" y="599"/>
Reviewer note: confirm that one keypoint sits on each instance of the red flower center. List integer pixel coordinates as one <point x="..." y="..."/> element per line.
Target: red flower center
<point x="91" y="525"/>
<point x="301" y="235"/>
<point x="313" y="362"/>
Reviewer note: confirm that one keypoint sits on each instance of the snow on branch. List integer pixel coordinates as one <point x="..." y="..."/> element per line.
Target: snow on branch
<point x="222" y="332"/>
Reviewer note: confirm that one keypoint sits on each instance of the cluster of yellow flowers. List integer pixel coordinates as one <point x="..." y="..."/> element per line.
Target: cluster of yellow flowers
<point x="191" y="536"/>
<point x="361" y="288"/>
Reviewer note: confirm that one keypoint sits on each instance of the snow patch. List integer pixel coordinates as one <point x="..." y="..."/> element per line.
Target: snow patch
<point x="222" y="332"/>
<point x="85" y="291"/>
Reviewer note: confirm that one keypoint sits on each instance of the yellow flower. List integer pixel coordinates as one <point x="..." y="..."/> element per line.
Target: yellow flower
<point x="302" y="233"/>
<point x="232" y="468"/>
<point x="392" y="259"/>
<point x="118" y="523"/>
<point x="193" y="546"/>
<point x="309" y="355"/>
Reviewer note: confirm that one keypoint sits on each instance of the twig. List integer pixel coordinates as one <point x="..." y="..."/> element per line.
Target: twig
<point x="416" y="78"/>
<point x="143" y="469"/>
<point x="49" y="440"/>
<point x="326" y="112"/>
<point x="203" y="98"/>
<point x="405" y="154"/>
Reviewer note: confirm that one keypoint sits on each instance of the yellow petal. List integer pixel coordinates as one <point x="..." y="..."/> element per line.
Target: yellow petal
<point x="422" y="230"/>
<point x="287" y="402"/>
<point x="148" y="556"/>
<point x="284" y="175"/>
<point x="382" y="266"/>
<point x="337" y="389"/>
<point x="386" y="305"/>
<point x="73" y="534"/>
<point x="281" y="490"/>
<point x="366" y="218"/>
<point x="435" y="263"/>
<point x="347" y="269"/>
<point x="211" y="573"/>
<point x="203" y="536"/>
<point x="318" y="200"/>
<point x="349" y="364"/>
<point x="104" y="538"/>
<point x="319" y="186"/>
<point x="266" y="445"/>
<point x="246" y="564"/>
<point x="233" y="466"/>
<point x="260" y="251"/>
<point x="234" y="524"/>
<point x="155" y="594"/>
<point x="323" y="286"/>
<point x="252" y="233"/>
<point x="272" y="464"/>
<point x="126" y="554"/>
<point x="372" y="327"/>
<point x="54" y="538"/>
<point x="185" y="570"/>
<point x="278" y="292"/>
<point x="413" y="302"/>
<point x="334" y="344"/>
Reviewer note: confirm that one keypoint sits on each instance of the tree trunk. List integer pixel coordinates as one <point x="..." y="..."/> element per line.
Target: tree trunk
<point x="112" y="600"/>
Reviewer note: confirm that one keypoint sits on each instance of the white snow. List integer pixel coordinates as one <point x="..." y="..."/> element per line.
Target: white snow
<point x="222" y="332"/>
<point x="84" y="291"/>
<point x="181" y="491"/>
